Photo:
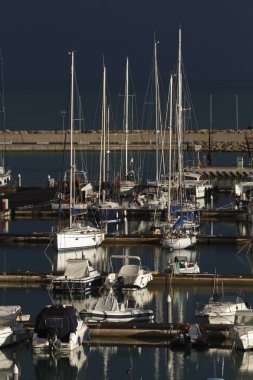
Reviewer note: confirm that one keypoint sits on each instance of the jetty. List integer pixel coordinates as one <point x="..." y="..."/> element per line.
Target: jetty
<point x="164" y="280"/>
<point x="228" y="140"/>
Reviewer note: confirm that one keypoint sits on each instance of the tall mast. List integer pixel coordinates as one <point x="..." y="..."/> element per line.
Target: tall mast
<point x="71" y="200"/>
<point x="126" y="116"/>
<point x="170" y="143"/>
<point x="156" y="110"/>
<point x="102" y="172"/>
<point x="180" y="118"/>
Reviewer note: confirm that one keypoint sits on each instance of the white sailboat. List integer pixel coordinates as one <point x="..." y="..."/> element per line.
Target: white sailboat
<point x="5" y="174"/>
<point x="77" y="234"/>
<point x="129" y="178"/>
<point x="177" y="235"/>
<point x="107" y="210"/>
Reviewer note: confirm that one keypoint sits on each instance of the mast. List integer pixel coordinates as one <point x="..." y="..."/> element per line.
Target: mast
<point x="102" y="172"/>
<point x="170" y="138"/>
<point x="156" y="110"/>
<point x="180" y="119"/>
<point x="71" y="198"/>
<point x="126" y="117"/>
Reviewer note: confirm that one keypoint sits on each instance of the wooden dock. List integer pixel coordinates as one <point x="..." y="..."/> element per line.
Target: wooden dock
<point x="27" y="278"/>
<point x="44" y="238"/>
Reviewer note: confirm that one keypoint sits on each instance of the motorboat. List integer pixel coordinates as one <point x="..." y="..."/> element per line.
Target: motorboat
<point x="241" y="333"/>
<point x="191" y="334"/>
<point x="220" y="309"/>
<point x="79" y="276"/>
<point x="182" y="266"/>
<point x="129" y="275"/>
<point x="12" y="329"/>
<point x="58" y="328"/>
<point x="109" y="309"/>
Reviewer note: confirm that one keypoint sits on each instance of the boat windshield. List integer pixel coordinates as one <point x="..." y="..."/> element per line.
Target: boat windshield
<point x="245" y="320"/>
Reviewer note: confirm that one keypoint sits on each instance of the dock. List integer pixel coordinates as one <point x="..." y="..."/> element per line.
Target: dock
<point x="151" y="334"/>
<point x="110" y="239"/>
<point x="27" y="278"/>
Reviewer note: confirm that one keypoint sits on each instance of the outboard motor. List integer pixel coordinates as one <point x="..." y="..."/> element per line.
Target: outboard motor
<point x="52" y="337"/>
<point x="120" y="281"/>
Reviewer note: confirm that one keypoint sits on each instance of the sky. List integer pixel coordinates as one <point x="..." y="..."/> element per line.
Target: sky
<point x="36" y="35"/>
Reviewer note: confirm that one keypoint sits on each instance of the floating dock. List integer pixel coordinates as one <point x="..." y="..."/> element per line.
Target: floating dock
<point x="44" y="238"/>
<point x="28" y="278"/>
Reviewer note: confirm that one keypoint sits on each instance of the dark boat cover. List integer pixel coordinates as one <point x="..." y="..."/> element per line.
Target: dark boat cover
<point x="62" y="319"/>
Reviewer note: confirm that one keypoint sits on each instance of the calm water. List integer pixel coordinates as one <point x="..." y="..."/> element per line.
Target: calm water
<point x="110" y="362"/>
<point x="38" y="106"/>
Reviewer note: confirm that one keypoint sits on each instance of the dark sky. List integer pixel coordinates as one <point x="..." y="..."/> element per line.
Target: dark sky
<point x="36" y="35"/>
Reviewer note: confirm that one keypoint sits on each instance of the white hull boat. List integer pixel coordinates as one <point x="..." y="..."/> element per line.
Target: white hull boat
<point x="129" y="275"/>
<point x="78" y="237"/>
<point x="220" y="311"/>
<point x="175" y="241"/>
<point x="11" y="328"/>
<point x="79" y="276"/>
<point x="241" y="333"/>
<point x="182" y="266"/>
<point x="12" y="333"/>
<point x="58" y="329"/>
<point x="108" y="309"/>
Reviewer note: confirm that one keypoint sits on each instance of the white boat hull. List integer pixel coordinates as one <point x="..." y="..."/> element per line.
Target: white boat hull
<point x="179" y="242"/>
<point x="219" y="313"/>
<point x="75" y="340"/>
<point x="138" y="282"/>
<point x="12" y="334"/>
<point x="133" y="315"/>
<point x="242" y="337"/>
<point x="70" y="238"/>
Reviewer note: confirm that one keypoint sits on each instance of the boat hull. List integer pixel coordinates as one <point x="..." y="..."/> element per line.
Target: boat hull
<point x="73" y="239"/>
<point x="179" y="242"/>
<point x="12" y="334"/>
<point x="76" y="285"/>
<point x="242" y="337"/>
<point x="135" y="315"/>
<point x="76" y="339"/>
<point x="117" y="281"/>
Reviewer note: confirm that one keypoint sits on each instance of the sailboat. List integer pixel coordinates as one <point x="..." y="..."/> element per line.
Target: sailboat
<point x="77" y="234"/>
<point x="129" y="179"/>
<point x="5" y="174"/>
<point x="107" y="210"/>
<point x="179" y="233"/>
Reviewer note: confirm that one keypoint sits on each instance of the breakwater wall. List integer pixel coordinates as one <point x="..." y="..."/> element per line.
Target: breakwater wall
<point x="217" y="140"/>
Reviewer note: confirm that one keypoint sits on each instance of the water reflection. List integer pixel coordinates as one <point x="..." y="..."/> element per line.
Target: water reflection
<point x="10" y="357"/>
<point x="60" y="366"/>
<point x="96" y="255"/>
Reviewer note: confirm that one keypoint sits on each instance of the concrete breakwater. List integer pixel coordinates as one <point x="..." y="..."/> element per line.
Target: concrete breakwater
<point x="217" y="140"/>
